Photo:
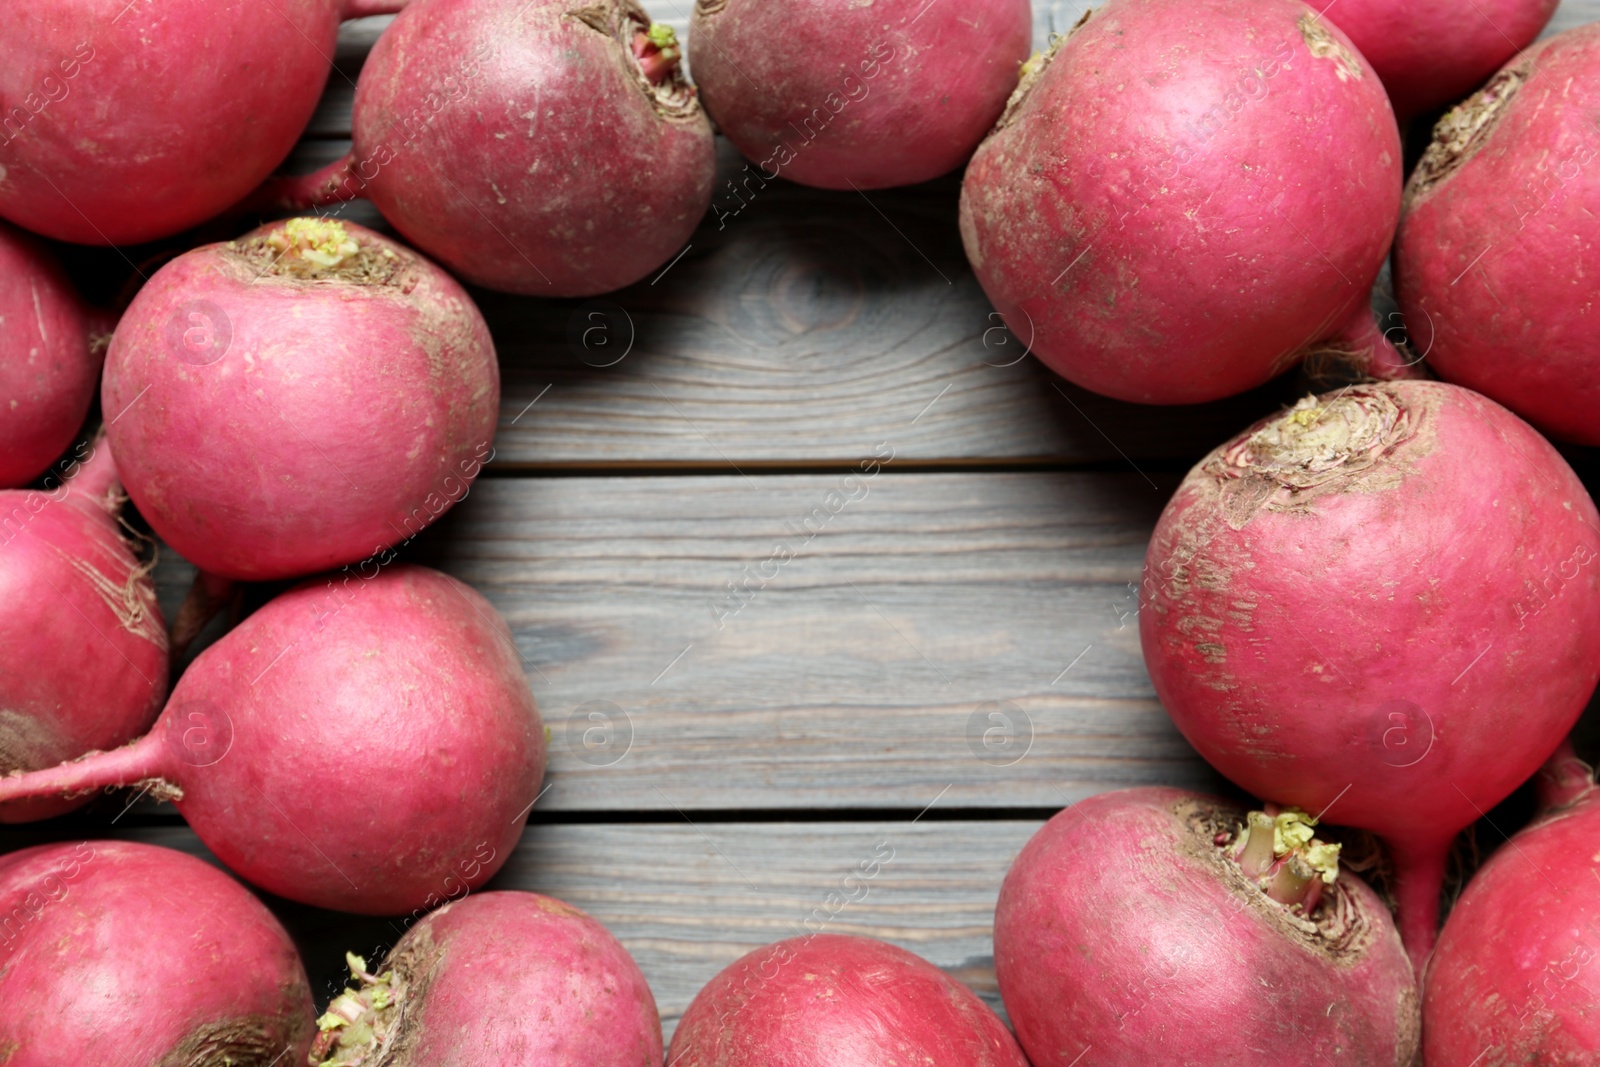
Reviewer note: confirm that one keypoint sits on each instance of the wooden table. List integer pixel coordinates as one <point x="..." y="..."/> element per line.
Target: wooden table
<point x="951" y="655"/>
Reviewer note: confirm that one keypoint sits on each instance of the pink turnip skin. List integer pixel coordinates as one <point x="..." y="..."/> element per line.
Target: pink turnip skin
<point x="832" y="999"/>
<point x="91" y="149"/>
<point x="51" y="348"/>
<point x="83" y="651"/>
<point x="1122" y="928"/>
<point x="1383" y="605"/>
<point x="370" y="746"/>
<point x="113" y="952"/>
<point x="525" y="145"/>
<point x="1496" y="256"/>
<point x="1434" y="52"/>
<point x="1513" y="979"/>
<point x="1186" y="195"/>
<point x="273" y="418"/>
<point x="863" y="96"/>
<point x="565" y="993"/>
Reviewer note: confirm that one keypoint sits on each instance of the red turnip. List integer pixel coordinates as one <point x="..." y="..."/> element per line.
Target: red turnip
<point x="1513" y="980"/>
<point x="1343" y="604"/>
<point x="83" y="653"/>
<point x="1184" y="196"/>
<point x="551" y="148"/>
<point x="496" y="980"/>
<point x="1129" y="930"/>
<point x="862" y="96"/>
<point x="369" y="747"/>
<point x="1495" y="261"/>
<point x="832" y="999"/>
<point x="1434" y="52"/>
<point x="301" y="398"/>
<point x="127" y="121"/>
<point x="51" y="347"/>
<point x="120" y="953"/>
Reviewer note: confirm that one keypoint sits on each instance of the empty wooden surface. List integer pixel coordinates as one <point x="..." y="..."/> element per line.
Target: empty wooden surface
<point x="720" y="761"/>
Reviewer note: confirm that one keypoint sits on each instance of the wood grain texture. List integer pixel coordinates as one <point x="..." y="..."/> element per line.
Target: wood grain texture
<point x="864" y="673"/>
<point x="687" y="900"/>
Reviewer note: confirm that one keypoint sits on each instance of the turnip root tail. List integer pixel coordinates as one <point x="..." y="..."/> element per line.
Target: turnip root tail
<point x="1374" y="351"/>
<point x="1563" y="779"/>
<point x="208" y="595"/>
<point x="1419" y="880"/>
<point x="147" y="759"/>
<point x="102" y="324"/>
<point x="360" y="9"/>
<point x="96" y="477"/>
<point x="337" y="183"/>
<point x="1358" y="349"/>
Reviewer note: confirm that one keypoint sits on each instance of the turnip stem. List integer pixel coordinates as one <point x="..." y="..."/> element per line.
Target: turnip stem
<point x="1256" y="857"/>
<point x="1563" y="779"/>
<point x="1292" y="882"/>
<point x="96" y="477"/>
<point x="657" y="52"/>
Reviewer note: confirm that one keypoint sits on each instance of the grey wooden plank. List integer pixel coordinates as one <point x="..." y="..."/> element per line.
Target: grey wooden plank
<point x="687" y="899"/>
<point x="1573" y="13"/>
<point x="863" y="674"/>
